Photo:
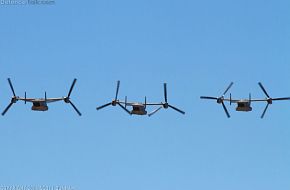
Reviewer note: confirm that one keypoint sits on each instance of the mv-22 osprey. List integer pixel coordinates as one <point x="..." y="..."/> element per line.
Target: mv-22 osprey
<point x="244" y="104"/>
<point x="40" y="104"/>
<point x="140" y="108"/>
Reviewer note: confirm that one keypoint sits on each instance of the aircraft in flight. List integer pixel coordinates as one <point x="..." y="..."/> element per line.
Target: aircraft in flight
<point x="244" y="104"/>
<point x="140" y="108"/>
<point x="40" y="104"/>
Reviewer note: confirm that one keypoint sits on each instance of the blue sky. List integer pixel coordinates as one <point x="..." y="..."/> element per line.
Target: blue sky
<point x="197" y="47"/>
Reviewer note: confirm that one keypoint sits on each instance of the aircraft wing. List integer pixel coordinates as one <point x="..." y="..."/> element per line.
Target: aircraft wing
<point x="154" y="104"/>
<point x="259" y="100"/>
<point x="127" y="103"/>
<point x="273" y="99"/>
<point x="134" y="103"/>
<point x="26" y="99"/>
<point x="231" y="100"/>
<point x="48" y="100"/>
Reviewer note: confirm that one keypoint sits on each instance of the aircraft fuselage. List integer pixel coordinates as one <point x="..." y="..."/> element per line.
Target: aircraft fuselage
<point x="139" y="109"/>
<point x="244" y="105"/>
<point x="39" y="106"/>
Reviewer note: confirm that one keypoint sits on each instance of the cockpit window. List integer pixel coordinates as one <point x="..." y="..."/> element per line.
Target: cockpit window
<point x="37" y="104"/>
<point x="136" y="108"/>
<point x="241" y="105"/>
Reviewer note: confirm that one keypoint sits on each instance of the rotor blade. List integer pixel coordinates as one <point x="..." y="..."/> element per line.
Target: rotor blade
<point x="124" y="108"/>
<point x="287" y="98"/>
<point x="176" y="109"/>
<point x="231" y="84"/>
<point x="71" y="88"/>
<point x="165" y="92"/>
<point x="208" y="97"/>
<point x="7" y="108"/>
<point x="103" y="106"/>
<point x="226" y="110"/>
<point x="75" y="108"/>
<point x="153" y="112"/>
<point x="11" y="86"/>
<point x="264" y="90"/>
<point x="262" y="116"/>
<point x="117" y="91"/>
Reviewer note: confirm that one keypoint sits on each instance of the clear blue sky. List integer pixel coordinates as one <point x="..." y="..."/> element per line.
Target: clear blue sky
<point x="197" y="47"/>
